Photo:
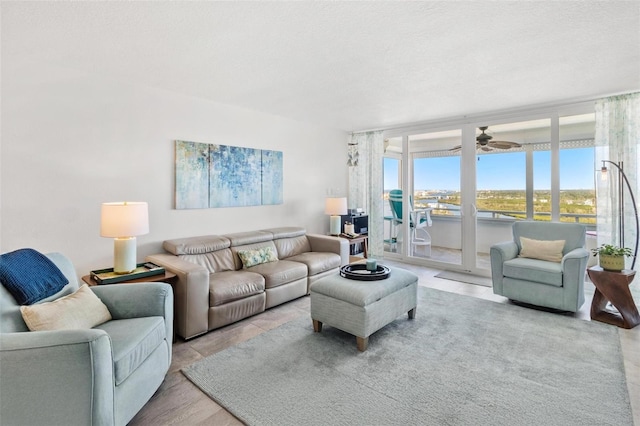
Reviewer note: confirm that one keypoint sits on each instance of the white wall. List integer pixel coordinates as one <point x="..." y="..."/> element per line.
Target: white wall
<point x="71" y="141"/>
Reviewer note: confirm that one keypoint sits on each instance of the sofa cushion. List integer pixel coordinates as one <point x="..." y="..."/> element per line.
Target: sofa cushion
<point x="317" y="262"/>
<point x="534" y="270"/>
<point x="30" y="276"/>
<point x="258" y="256"/>
<point x="292" y="246"/>
<point x="133" y="340"/>
<point x="80" y="310"/>
<point x="549" y="250"/>
<point x="280" y="272"/>
<point x="216" y="261"/>
<point x="251" y="237"/>
<point x="225" y="287"/>
<point x="196" y="245"/>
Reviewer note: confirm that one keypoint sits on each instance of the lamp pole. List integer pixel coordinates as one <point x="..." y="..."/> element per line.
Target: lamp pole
<point x="619" y="166"/>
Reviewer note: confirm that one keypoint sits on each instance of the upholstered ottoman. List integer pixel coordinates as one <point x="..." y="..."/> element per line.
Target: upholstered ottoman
<point x="363" y="307"/>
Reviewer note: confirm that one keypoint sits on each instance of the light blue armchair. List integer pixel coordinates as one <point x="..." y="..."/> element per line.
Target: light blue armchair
<point x="557" y="285"/>
<point x="99" y="376"/>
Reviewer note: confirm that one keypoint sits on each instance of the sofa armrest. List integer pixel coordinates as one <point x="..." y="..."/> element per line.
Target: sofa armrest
<point x="56" y="377"/>
<point x="191" y="294"/>
<point x="328" y="243"/>
<point x="500" y="253"/>
<point x="139" y="300"/>
<point x="574" y="269"/>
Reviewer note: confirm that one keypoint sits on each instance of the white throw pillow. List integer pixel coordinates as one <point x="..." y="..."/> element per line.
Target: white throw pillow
<point x="550" y="250"/>
<point x="80" y="310"/>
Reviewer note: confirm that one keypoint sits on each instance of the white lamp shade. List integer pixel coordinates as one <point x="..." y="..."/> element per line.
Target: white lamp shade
<point x="124" y="219"/>
<point x="336" y="206"/>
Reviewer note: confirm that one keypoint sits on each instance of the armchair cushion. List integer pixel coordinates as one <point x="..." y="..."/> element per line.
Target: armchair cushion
<point x="80" y="310"/>
<point x="133" y="340"/>
<point x="549" y="250"/>
<point x="534" y="270"/>
<point x="30" y="276"/>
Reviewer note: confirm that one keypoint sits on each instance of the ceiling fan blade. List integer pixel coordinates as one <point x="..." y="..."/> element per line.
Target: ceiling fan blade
<point x="504" y="144"/>
<point x="485" y="148"/>
<point x="456" y="148"/>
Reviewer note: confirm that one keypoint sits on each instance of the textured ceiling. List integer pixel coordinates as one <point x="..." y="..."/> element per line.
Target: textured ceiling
<point x="348" y="65"/>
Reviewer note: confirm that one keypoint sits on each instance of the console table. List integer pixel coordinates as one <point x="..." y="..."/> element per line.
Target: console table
<point x="613" y="287"/>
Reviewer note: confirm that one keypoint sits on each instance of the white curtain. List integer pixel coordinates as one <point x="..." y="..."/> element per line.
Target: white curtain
<point x="365" y="184"/>
<point x="617" y="138"/>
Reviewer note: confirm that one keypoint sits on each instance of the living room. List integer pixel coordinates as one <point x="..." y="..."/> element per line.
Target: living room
<point x="94" y="96"/>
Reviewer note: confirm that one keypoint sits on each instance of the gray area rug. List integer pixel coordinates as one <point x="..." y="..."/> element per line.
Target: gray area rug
<point x="465" y="278"/>
<point x="462" y="361"/>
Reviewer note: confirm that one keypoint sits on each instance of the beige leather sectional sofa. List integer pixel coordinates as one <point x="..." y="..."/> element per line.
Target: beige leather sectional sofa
<point x="215" y="288"/>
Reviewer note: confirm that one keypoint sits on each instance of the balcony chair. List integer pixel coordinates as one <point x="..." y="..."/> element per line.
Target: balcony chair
<point x="546" y="272"/>
<point x="91" y="376"/>
<point x="419" y="220"/>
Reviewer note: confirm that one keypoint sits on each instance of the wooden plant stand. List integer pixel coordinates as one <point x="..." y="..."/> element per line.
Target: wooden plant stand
<point x="613" y="287"/>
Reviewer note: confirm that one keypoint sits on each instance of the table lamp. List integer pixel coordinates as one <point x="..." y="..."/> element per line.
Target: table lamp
<point x="335" y="207"/>
<point x="123" y="221"/>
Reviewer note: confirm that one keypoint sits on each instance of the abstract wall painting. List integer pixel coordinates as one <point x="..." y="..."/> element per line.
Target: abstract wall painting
<point x="211" y="175"/>
<point x="271" y="177"/>
<point x="192" y="175"/>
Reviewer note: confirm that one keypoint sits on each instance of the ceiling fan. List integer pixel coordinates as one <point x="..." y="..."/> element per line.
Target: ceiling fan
<point x="484" y="142"/>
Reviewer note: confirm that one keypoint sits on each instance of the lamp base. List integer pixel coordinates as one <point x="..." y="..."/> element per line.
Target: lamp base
<point x="334" y="225"/>
<point x="124" y="255"/>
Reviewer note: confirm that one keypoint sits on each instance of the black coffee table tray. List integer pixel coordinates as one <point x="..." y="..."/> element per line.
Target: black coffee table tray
<point x="358" y="271"/>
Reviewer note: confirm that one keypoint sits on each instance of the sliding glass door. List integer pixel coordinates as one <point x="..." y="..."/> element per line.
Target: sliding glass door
<point x="463" y="186"/>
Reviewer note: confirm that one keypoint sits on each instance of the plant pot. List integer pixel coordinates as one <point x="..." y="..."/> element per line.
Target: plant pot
<point x="611" y="263"/>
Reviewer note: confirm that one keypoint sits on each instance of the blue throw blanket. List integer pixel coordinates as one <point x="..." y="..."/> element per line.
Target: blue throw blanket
<point x="30" y="276"/>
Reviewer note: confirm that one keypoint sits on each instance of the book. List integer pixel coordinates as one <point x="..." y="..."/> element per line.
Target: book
<point x="107" y="276"/>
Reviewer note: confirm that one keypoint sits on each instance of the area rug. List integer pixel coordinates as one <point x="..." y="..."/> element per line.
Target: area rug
<point x="465" y="278"/>
<point x="461" y="361"/>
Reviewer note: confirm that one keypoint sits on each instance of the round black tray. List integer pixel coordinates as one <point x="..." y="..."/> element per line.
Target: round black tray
<point x="358" y="271"/>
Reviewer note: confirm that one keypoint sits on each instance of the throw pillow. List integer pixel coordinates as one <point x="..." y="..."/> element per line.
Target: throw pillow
<point x="550" y="250"/>
<point x="256" y="257"/>
<point x="80" y="310"/>
<point x="30" y="276"/>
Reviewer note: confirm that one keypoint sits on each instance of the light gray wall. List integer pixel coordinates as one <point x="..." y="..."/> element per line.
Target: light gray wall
<point x="73" y="140"/>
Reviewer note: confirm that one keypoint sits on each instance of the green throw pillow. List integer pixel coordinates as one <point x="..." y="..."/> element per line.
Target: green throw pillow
<point x="257" y="257"/>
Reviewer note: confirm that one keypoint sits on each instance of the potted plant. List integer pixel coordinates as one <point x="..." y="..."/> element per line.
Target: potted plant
<point x="611" y="257"/>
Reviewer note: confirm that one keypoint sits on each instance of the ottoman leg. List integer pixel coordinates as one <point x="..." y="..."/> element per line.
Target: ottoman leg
<point x="412" y="313"/>
<point x="362" y="343"/>
<point x="317" y="326"/>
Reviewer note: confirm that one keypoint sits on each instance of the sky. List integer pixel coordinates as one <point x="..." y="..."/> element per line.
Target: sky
<point x="500" y="172"/>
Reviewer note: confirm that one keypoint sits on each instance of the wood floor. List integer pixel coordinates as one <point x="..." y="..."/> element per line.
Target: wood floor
<point x="179" y="402"/>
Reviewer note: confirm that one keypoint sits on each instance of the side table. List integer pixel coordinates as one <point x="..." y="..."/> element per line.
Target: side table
<point x="168" y="277"/>
<point x="613" y="287"/>
<point x="360" y="239"/>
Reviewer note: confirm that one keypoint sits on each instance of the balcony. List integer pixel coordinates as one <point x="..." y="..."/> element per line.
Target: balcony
<point x="492" y="227"/>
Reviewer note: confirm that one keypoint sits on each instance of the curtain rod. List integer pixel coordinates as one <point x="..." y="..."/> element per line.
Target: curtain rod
<point x="486" y="115"/>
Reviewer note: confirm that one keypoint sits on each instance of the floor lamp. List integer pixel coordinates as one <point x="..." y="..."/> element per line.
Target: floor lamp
<point x="623" y="177"/>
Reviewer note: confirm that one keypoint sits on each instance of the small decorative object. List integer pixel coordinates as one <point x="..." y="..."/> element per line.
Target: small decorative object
<point x="353" y="155"/>
<point x="123" y="221"/>
<point x="372" y="265"/>
<point x="612" y="257"/>
<point x="349" y="228"/>
<point x="358" y="271"/>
